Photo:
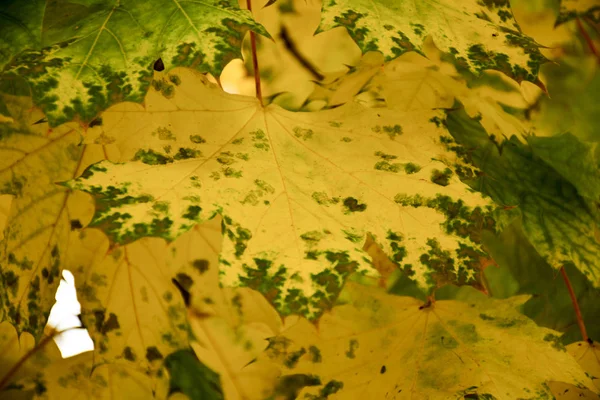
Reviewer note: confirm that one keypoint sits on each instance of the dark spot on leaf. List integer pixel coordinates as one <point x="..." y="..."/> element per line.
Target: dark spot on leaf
<point x="383" y="369"/>
<point x="294" y="357"/>
<point x="201" y="265"/>
<point x="289" y="386"/>
<point x="111" y="323"/>
<point x="192" y="213"/>
<point x="352" y="205"/>
<point x="197" y="139"/>
<point x="153" y="354"/>
<point x="75" y="224"/>
<point x="315" y="354"/>
<point x="185" y="294"/>
<point x="95" y="122"/>
<point x="159" y="65"/>
<point x="54" y="252"/>
<point x="441" y="178"/>
<point x="129" y="354"/>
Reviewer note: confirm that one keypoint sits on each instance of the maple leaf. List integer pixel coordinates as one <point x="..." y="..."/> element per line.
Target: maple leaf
<point x="229" y="326"/>
<point x="587" y="355"/>
<point x="379" y="345"/>
<point x="555" y="218"/>
<point x="479" y="34"/>
<point x="129" y="303"/>
<point x="44" y="220"/>
<point x="297" y="192"/>
<point x="231" y="348"/>
<point x="38" y="371"/>
<point x="94" y="55"/>
<point x="521" y="270"/>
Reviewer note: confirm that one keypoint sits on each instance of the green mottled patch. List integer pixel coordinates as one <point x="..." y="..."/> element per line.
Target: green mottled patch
<point x="200" y="265"/>
<point x="161" y="206"/>
<point x="441" y="178"/>
<point x="388" y="167"/>
<point x="417" y="28"/>
<point x="175" y="79"/>
<point x="315" y="354"/>
<point x="411" y="168"/>
<point x="346" y="139"/>
<point x="385" y="156"/>
<point x="185" y="153"/>
<point x="353" y="237"/>
<point x="304" y="134"/>
<point x="352" y="205"/>
<point x="151" y="157"/>
<point x="437" y="121"/>
<point x="232" y="173"/>
<point x="323" y="199"/>
<point x="312" y="237"/>
<point x="237" y="234"/>
<point x="267" y="279"/>
<point x="264" y="186"/>
<point x="226" y="158"/>
<point x="398" y="251"/>
<point x="260" y="140"/>
<point x="352" y="346"/>
<point x="292" y="359"/>
<point x="164" y="134"/>
<point x="192" y="213"/>
<point x="197" y="139"/>
<point x="555" y="341"/>
<point x="251" y="198"/>
<point x="335" y="124"/>
<point x="391" y="130"/>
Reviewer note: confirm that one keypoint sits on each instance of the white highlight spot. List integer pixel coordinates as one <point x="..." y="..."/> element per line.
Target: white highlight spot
<point x="63" y="317"/>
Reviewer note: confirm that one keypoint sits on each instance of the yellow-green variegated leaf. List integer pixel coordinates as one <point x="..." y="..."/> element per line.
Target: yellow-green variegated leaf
<point x="378" y="346"/>
<point x="587" y="355"/>
<point x="230" y="342"/>
<point x="30" y="371"/>
<point x="480" y="34"/>
<point x="297" y="191"/>
<point x="130" y="304"/>
<point x="97" y="53"/>
<point x="44" y="219"/>
<point x="229" y="326"/>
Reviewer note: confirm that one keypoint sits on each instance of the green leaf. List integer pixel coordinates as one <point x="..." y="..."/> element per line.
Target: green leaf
<point x="479" y="34"/>
<point x="297" y="191"/>
<point x="555" y="218"/>
<point x="20" y="27"/>
<point x="97" y="53"/>
<point x="576" y="160"/>
<point x="192" y="378"/>
<point x="521" y="270"/>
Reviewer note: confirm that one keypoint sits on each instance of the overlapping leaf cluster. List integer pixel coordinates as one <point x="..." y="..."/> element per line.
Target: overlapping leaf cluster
<point x="386" y="246"/>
